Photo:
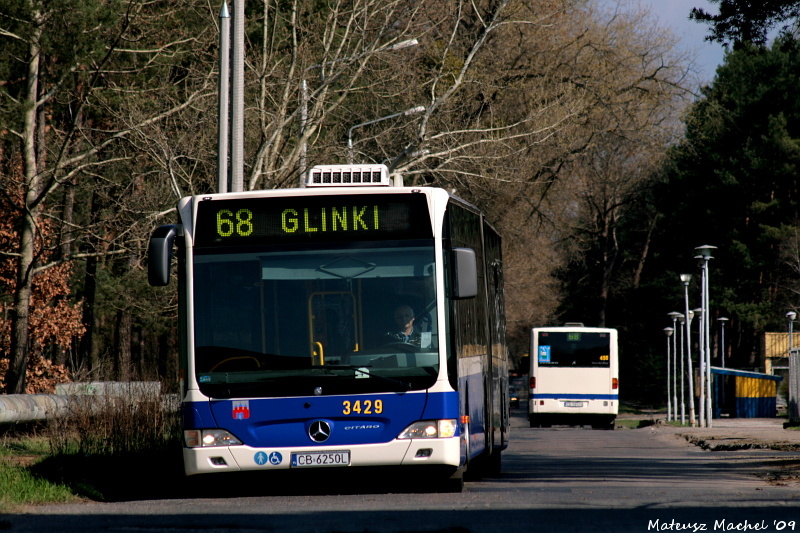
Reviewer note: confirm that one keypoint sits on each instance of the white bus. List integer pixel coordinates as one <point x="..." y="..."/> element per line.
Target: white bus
<point x="574" y="377"/>
<point x="292" y="356"/>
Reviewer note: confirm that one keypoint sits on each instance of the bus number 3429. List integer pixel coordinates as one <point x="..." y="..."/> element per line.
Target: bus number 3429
<point x="366" y="407"/>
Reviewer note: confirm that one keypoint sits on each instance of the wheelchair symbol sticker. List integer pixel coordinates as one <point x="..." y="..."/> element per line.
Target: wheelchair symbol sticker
<point x="274" y="458"/>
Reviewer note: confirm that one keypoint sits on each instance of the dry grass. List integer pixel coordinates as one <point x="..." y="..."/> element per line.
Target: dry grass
<point x="130" y="424"/>
<point x="105" y="448"/>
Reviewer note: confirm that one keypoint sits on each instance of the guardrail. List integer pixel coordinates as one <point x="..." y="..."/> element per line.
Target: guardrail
<point x="32" y="407"/>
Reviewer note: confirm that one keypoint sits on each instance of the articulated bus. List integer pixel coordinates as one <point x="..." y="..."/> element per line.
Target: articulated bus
<point x="574" y="377"/>
<point x="290" y="302"/>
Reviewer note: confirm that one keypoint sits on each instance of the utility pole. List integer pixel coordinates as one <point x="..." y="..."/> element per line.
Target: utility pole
<point x="223" y="97"/>
<point x="237" y="99"/>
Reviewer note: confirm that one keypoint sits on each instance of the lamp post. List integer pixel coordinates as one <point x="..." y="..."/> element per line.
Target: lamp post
<point x="722" y="320"/>
<point x="668" y="332"/>
<point x="237" y="99"/>
<point x="224" y="98"/>
<point x="705" y="255"/>
<point x="407" y="112"/>
<point x="685" y="279"/>
<point x="304" y="96"/>
<point x="674" y="316"/>
<point x="701" y="366"/>
<point x="794" y="373"/>
<point x="682" y="320"/>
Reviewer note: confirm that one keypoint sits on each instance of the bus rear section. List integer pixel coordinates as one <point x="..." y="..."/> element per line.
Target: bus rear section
<point x="574" y="377"/>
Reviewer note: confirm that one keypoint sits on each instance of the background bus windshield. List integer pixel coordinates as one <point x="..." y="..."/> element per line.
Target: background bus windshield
<point x="574" y="349"/>
<point x="315" y="320"/>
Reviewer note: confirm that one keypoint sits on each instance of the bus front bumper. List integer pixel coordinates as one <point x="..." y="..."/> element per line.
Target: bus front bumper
<point x="405" y="452"/>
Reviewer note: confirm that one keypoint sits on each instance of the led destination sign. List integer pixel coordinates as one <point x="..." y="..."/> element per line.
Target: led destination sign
<point x="311" y="219"/>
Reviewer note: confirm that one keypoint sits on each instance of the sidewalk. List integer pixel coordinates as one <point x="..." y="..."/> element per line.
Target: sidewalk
<point x="737" y="434"/>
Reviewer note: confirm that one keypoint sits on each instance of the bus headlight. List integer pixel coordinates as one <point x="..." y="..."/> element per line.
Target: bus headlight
<point x="196" y="438"/>
<point x="430" y="429"/>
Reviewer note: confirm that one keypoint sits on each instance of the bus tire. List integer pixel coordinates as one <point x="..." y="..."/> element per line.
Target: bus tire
<point x="605" y="424"/>
<point x="493" y="464"/>
<point x="454" y="483"/>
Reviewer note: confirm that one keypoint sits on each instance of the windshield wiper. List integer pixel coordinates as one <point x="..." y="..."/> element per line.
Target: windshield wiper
<point x="360" y="368"/>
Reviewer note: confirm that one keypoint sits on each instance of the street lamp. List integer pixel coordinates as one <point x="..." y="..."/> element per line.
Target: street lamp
<point x="704" y="254"/>
<point x="407" y="112"/>
<point x="794" y="373"/>
<point x="722" y="320"/>
<point x="223" y="98"/>
<point x="304" y="97"/>
<point x="685" y="279"/>
<point x="682" y="320"/>
<point x="701" y="367"/>
<point x="668" y="332"/>
<point x="674" y="316"/>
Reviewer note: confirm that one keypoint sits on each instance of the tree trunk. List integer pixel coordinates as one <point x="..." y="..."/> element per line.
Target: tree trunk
<point x="645" y="251"/>
<point x="124" y="324"/>
<point x="66" y="233"/>
<point x="90" y="298"/>
<point x="15" y="378"/>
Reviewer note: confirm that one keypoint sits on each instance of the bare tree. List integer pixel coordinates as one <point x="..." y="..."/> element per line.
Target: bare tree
<point x="368" y="59"/>
<point x="634" y="88"/>
<point x="316" y="72"/>
<point x="61" y="148"/>
<point x="520" y="98"/>
<point x="635" y="117"/>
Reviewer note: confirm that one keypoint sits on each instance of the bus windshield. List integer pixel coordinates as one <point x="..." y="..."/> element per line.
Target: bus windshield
<point x="574" y="349"/>
<point x="315" y="320"/>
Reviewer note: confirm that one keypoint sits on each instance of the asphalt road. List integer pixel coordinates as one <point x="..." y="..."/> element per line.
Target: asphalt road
<point x="553" y="480"/>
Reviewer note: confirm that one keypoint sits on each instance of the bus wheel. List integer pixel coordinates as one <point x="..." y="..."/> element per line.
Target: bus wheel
<point x="493" y="464"/>
<point x="455" y="483"/>
<point x="605" y="424"/>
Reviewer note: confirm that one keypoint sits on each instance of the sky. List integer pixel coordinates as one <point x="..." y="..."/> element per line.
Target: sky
<point x="674" y="15"/>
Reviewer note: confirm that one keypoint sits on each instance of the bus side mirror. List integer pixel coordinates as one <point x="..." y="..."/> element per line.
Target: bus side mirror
<point x="465" y="273"/>
<point x="159" y="254"/>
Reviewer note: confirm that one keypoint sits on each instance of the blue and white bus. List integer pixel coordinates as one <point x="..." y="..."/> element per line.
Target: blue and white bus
<point x="574" y="377"/>
<point x="289" y="352"/>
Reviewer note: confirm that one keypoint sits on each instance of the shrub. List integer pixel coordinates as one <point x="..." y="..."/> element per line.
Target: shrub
<point x="136" y="422"/>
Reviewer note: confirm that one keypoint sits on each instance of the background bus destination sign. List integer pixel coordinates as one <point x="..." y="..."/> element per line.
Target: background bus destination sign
<point x="328" y="218"/>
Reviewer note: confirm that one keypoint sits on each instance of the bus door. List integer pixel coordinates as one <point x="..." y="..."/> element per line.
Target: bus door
<point x="333" y="326"/>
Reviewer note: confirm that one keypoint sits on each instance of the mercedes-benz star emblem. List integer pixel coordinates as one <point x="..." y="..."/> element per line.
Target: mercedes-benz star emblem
<point x="319" y="431"/>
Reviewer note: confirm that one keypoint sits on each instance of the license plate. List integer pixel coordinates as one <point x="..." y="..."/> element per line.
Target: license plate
<point x="316" y="459"/>
<point x="573" y="404"/>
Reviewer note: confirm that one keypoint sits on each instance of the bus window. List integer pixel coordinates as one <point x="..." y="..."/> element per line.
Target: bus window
<point x="574" y="349"/>
<point x="282" y="320"/>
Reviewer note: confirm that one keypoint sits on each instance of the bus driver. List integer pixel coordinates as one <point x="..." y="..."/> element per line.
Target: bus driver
<point x="404" y="326"/>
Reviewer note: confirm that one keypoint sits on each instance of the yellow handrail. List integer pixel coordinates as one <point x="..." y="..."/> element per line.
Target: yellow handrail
<point x="321" y="353"/>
